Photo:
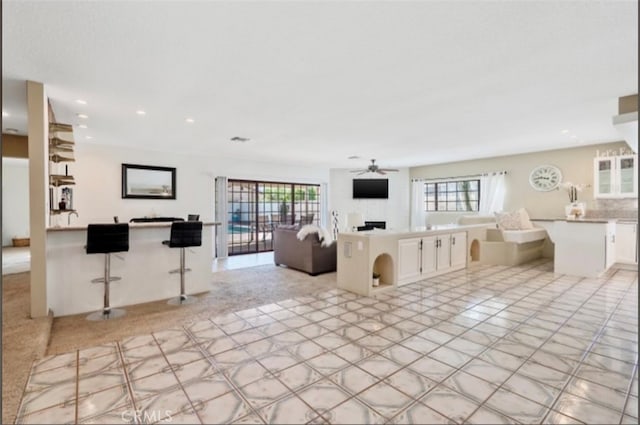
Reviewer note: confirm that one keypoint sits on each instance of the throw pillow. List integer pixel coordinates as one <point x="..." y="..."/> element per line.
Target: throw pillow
<point x="308" y="229"/>
<point x="508" y="221"/>
<point x="525" y="221"/>
<point x="326" y="238"/>
<point x="323" y="235"/>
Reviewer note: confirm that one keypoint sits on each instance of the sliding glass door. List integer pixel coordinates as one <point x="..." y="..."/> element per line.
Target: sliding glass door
<point x="256" y="207"/>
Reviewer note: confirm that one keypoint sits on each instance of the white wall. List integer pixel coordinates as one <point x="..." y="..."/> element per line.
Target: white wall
<point x="97" y="172"/>
<point x="395" y="210"/>
<point x="15" y="199"/>
<point x="576" y="165"/>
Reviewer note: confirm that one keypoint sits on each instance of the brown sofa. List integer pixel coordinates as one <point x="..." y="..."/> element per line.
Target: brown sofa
<point x="307" y="255"/>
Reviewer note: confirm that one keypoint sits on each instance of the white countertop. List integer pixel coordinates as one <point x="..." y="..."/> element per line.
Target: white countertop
<point x="438" y="228"/>
<point x="131" y="226"/>
<point x="581" y="220"/>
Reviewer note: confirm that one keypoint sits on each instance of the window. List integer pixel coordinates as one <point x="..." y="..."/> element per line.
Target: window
<point x="458" y="195"/>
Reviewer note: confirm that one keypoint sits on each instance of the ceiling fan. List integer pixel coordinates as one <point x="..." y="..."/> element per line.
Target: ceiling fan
<point x="373" y="168"/>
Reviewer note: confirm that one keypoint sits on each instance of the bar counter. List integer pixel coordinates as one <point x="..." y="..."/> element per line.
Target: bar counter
<point x="144" y="269"/>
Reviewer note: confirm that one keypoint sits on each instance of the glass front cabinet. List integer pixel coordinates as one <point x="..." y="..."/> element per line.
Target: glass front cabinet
<point x="615" y="177"/>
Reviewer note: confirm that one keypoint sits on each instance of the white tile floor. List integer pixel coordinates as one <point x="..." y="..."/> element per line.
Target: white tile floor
<point x="235" y="262"/>
<point x="490" y="344"/>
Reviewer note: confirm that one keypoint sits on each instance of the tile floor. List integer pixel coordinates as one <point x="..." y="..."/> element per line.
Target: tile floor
<point x="235" y="262"/>
<point x="489" y="344"/>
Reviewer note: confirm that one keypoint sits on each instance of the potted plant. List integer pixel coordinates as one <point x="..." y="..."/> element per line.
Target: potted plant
<point x="376" y="278"/>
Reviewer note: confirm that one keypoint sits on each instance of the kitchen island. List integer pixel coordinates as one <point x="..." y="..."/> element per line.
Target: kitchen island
<point x="583" y="247"/>
<point x="144" y="269"/>
<point x="403" y="256"/>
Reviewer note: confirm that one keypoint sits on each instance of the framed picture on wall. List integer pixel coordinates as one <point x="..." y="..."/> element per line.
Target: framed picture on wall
<point x="67" y="196"/>
<point x="148" y="182"/>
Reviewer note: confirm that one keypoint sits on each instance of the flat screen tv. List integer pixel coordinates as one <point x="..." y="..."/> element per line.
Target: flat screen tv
<point x="370" y="188"/>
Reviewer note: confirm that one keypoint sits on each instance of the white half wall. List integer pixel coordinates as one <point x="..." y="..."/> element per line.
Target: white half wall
<point x="395" y="210"/>
<point x="15" y="199"/>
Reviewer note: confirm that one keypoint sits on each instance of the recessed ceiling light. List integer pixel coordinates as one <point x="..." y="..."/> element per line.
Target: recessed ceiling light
<point x="353" y="157"/>
<point x="565" y="131"/>
<point x="82" y="125"/>
<point x="83" y="116"/>
<point x="12" y="130"/>
<point x="89" y="137"/>
<point x="190" y="120"/>
<point x="81" y="102"/>
<point x="573" y="136"/>
<point x="141" y="112"/>
<point x="5" y="114"/>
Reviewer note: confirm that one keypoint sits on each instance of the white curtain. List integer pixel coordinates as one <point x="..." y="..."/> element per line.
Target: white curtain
<point x="418" y="213"/>
<point x="492" y="191"/>
<point x="222" y="250"/>
<point x="324" y="205"/>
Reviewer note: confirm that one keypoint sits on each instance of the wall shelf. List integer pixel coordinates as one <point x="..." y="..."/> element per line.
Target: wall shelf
<point x="57" y="180"/>
<point x="56" y="212"/>
<point x="61" y="158"/>
<point x="61" y="145"/>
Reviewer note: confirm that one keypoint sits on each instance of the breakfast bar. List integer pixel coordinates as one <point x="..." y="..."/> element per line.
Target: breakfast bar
<point x="144" y="269"/>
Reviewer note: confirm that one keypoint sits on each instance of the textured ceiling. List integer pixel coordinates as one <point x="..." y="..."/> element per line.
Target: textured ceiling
<point x="408" y="83"/>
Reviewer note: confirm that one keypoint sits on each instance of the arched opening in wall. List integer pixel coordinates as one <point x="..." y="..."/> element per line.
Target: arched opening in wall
<point x="475" y="250"/>
<point x="383" y="267"/>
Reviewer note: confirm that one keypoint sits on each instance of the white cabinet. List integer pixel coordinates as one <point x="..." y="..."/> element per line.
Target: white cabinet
<point x="430" y="255"/>
<point x="409" y="257"/>
<point x="627" y="243"/>
<point x="584" y="248"/>
<point x="611" y="245"/>
<point x="429" y="261"/>
<point x="615" y="177"/>
<point x="443" y="252"/>
<point x="459" y="249"/>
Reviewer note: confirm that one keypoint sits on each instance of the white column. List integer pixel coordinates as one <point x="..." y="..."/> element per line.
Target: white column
<point x="38" y="136"/>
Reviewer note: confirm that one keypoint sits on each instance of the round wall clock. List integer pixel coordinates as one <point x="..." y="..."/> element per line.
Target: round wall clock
<point x="545" y="177"/>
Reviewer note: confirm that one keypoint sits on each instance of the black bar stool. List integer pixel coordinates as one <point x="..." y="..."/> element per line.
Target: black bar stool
<point x="184" y="234"/>
<point x="105" y="239"/>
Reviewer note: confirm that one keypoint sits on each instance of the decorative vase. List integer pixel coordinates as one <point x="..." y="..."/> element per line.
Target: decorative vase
<point x="376" y="281"/>
<point x="575" y="210"/>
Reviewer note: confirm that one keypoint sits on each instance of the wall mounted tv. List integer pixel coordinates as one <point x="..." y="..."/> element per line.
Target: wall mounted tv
<point x="370" y="188"/>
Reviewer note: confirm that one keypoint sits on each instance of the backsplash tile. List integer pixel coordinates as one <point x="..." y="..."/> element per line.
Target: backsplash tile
<point x="613" y="208"/>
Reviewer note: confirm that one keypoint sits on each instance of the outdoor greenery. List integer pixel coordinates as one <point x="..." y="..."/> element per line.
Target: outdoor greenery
<point x="278" y="194"/>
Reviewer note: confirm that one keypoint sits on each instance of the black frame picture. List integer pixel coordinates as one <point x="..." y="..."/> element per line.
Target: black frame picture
<point x="148" y="182"/>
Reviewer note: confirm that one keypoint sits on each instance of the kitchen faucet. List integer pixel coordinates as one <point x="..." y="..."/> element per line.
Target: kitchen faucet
<point x="69" y="217"/>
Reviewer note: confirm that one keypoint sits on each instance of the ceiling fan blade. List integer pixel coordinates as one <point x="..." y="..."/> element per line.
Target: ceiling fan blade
<point x="355" y="171"/>
<point x="389" y="170"/>
<point x="380" y="171"/>
<point x="363" y="172"/>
